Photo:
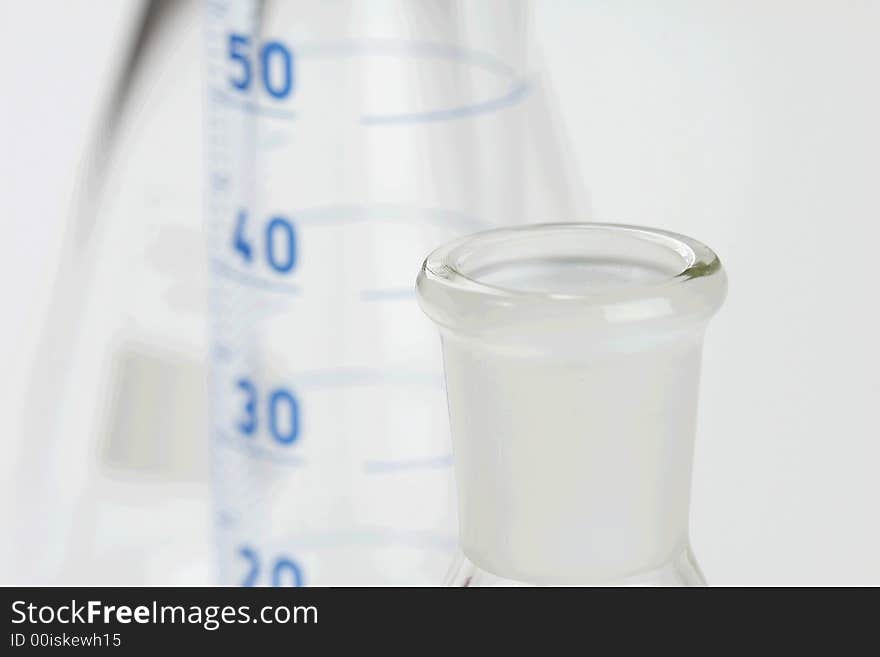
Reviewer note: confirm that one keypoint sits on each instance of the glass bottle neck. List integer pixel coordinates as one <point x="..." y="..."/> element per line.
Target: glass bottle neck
<point x="590" y="460"/>
<point x="681" y="569"/>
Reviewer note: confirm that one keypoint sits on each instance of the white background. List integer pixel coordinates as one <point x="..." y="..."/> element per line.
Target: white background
<point x="752" y="125"/>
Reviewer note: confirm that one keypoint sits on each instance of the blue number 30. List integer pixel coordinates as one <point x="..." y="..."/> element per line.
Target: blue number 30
<point x="283" y="413"/>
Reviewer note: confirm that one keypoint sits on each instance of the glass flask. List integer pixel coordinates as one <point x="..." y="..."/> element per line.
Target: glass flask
<point x="572" y="360"/>
<point x="112" y="473"/>
<point x="343" y="141"/>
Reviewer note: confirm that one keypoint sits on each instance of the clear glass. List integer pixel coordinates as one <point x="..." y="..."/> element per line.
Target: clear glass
<point x="344" y="140"/>
<point x="572" y="361"/>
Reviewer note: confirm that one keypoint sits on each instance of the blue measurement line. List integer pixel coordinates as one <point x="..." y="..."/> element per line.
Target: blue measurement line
<point x="244" y="446"/>
<point x="350" y="376"/>
<point x="251" y="280"/>
<point x="391" y="294"/>
<point x="383" y="467"/>
<point x="363" y="377"/>
<point x="328" y="215"/>
<point x="518" y="92"/>
<point x="252" y="107"/>
<point x="373" y="537"/>
<point x="400" y="48"/>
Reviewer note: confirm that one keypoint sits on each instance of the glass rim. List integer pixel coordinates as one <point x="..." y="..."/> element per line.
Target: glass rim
<point x="667" y="277"/>
<point x="443" y="265"/>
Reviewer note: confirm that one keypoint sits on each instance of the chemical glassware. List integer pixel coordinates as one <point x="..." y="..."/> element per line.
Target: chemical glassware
<point x="112" y="473"/>
<point x="572" y="359"/>
<point x="343" y="140"/>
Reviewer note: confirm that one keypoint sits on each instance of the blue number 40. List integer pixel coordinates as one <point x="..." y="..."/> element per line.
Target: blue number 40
<point x="279" y="242"/>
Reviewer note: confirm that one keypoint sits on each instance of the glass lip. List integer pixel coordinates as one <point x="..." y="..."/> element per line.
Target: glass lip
<point x="698" y="260"/>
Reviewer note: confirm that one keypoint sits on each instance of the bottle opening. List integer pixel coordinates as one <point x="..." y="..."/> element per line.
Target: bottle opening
<point x="572" y="273"/>
<point x="571" y="259"/>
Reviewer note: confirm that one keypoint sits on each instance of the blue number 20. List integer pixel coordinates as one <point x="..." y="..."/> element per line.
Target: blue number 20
<point x="285" y="571"/>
